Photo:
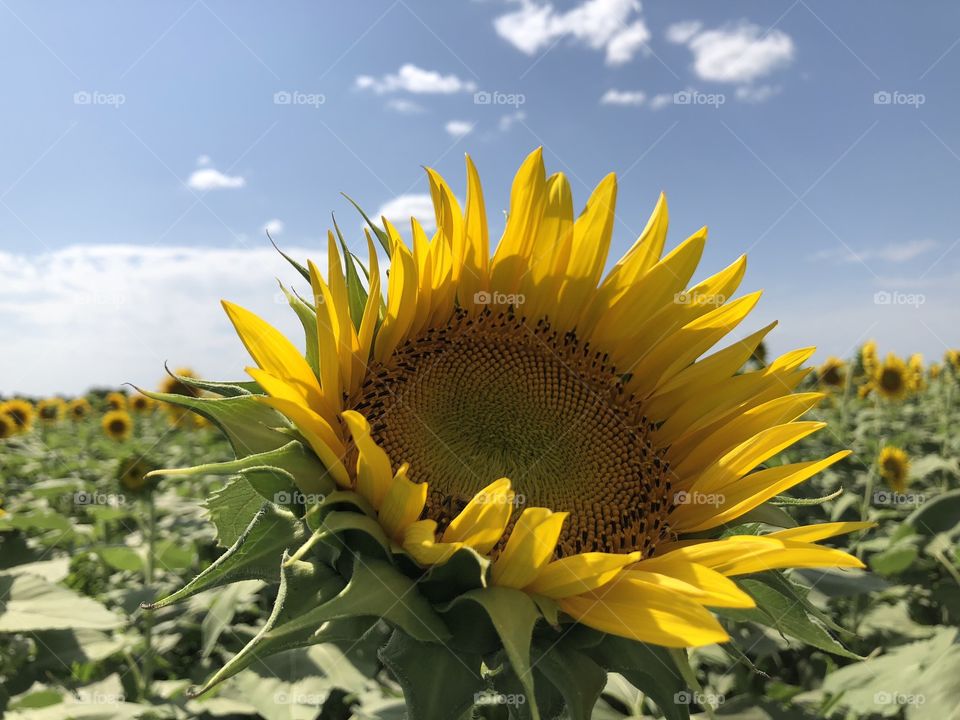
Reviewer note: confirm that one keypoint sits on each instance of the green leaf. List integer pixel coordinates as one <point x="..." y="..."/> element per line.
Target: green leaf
<point x="297" y="266"/>
<point x="174" y="554"/>
<point x="223" y="389"/>
<point x="578" y="678"/>
<point x="256" y="554"/>
<point x="121" y="557"/>
<point x="232" y="508"/>
<point x="893" y="560"/>
<point x="437" y="683"/>
<point x="939" y="515"/>
<point x="247" y="423"/>
<point x="783" y="613"/>
<point x="649" y="668"/>
<point x="29" y="603"/>
<point x="513" y="615"/>
<point x="222" y="610"/>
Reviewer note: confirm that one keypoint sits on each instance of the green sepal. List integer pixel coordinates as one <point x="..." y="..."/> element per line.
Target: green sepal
<point x="648" y="668"/>
<point x="248" y="424"/>
<point x="576" y="676"/>
<point x="303" y="586"/>
<point x="297" y="266"/>
<point x="308" y="319"/>
<point x="254" y="555"/>
<point x="345" y="500"/>
<point x="778" y="609"/>
<point x="513" y="615"/>
<point x="464" y="571"/>
<point x="786" y="500"/>
<point x="379" y="232"/>
<point x="353" y="532"/>
<point x="437" y="683"/>
<point x="223" y="389"/>
<point x="307" y="473"/>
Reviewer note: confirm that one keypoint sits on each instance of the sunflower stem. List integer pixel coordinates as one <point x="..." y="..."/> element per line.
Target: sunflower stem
<point x="146" y="671"/>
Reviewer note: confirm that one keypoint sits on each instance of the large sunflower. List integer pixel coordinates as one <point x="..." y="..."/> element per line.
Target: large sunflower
<point x="8" y="426"/>
<point x="117" y="424"/>
<point x="561" y="425"/>
<point x="891" y="378"/>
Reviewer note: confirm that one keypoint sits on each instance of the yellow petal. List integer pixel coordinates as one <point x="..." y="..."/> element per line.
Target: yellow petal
<point x="698" y="582"/>
<point x="420" y="541"/>
<point x="482" y="522"/>
<point x="373" y="465"/>
<point x="346" y="334"/>
<point x="550" y="255"/>
<point x="449" y="219"/>
<point x="821" y="531"/>
<point x="474" y="276"/>
<point x="402" y="504"/>
<point x="646" y="613"/>
<point x="317" y="433"/>
<point x="527" y="200"/>
<point x="531" y="545"/>
<point x="577" y="574"/>
<point x="328" y="342"/>
<point x="371" y="314"/>
<point x="423" y="259"/>
<point x="401" y="297"/>
<point x="274" y="353"/>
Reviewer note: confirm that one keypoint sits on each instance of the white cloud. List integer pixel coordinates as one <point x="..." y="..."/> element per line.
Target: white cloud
<point x="507" y="121"/>
<point x="738" y="53"/>
<point x="623" y="97"/>
<point x="273" y="227"/>
<point x="892" y="252"/>
<point x="756" y="94"/>
<point x="213" y="179"/>
<point x="203" y="160"/>
<point x="107" y="314"/>
<point x="404" y="106"/>
<point x="681" y="32"/>
<point x="459" y="128"/>
<point x="614" y="26"/>
<point x="403" y="207"/>
<point x="661" y="100"/>
<point x="413" y="79"/>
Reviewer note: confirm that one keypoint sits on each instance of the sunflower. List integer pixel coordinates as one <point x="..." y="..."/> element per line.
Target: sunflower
<point x="141" y="403"/>
<point x="869" y="359"/>
<point x="951" y="358"/>
<point x="8" y="426"/>
<point x="51" y="410"/>
<point x="556" y="424"/>
<point x="132" y="475"/>
<point x="78" y="408"/>
<point x="116" y="401"/>
<point x="891" y="379"/>
<point x="935" y="370"/>
<point x="21" y="411"/>
<point x="894" y="467"/>
<point x="917" y="380"/>
<point x="832" y="373"/>
<point x="117" y="424"/>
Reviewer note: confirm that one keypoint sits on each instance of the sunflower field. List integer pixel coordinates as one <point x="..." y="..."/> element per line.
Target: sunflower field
<point x="492" y="483"/>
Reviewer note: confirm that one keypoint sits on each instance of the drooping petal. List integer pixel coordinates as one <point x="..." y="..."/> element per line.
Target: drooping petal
<point x="420" y="541"/>
<point x="483" y="521"/>
<point x="530" y="547"/>
<point x="374" y="476"/>
<point x="577" y="574"/>
<point x="402" y="504"/>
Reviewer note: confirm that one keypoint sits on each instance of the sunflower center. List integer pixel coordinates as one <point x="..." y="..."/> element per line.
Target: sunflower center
<point x="117" y="427"/>
<point x="492" y="397"/>
<point x="891" y="379"/>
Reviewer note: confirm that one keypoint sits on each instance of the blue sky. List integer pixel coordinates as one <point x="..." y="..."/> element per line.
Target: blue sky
<point x="145" y="146"/>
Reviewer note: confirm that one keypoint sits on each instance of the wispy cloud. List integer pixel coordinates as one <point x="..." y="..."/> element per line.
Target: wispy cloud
<point x="507" y="121"/>
<point x="614" y="26"/>
<point x="623" y="97"/>
<point x="413" y="79"/>
<point x="273" y="226"/>
<point x="404" y="106"/>
<point x="400" y="209"/>
<point x="735" y="53"/>
<point x="459" y="128"/>
<point x="892" y="252"/>
<point x="209" y="178"/>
